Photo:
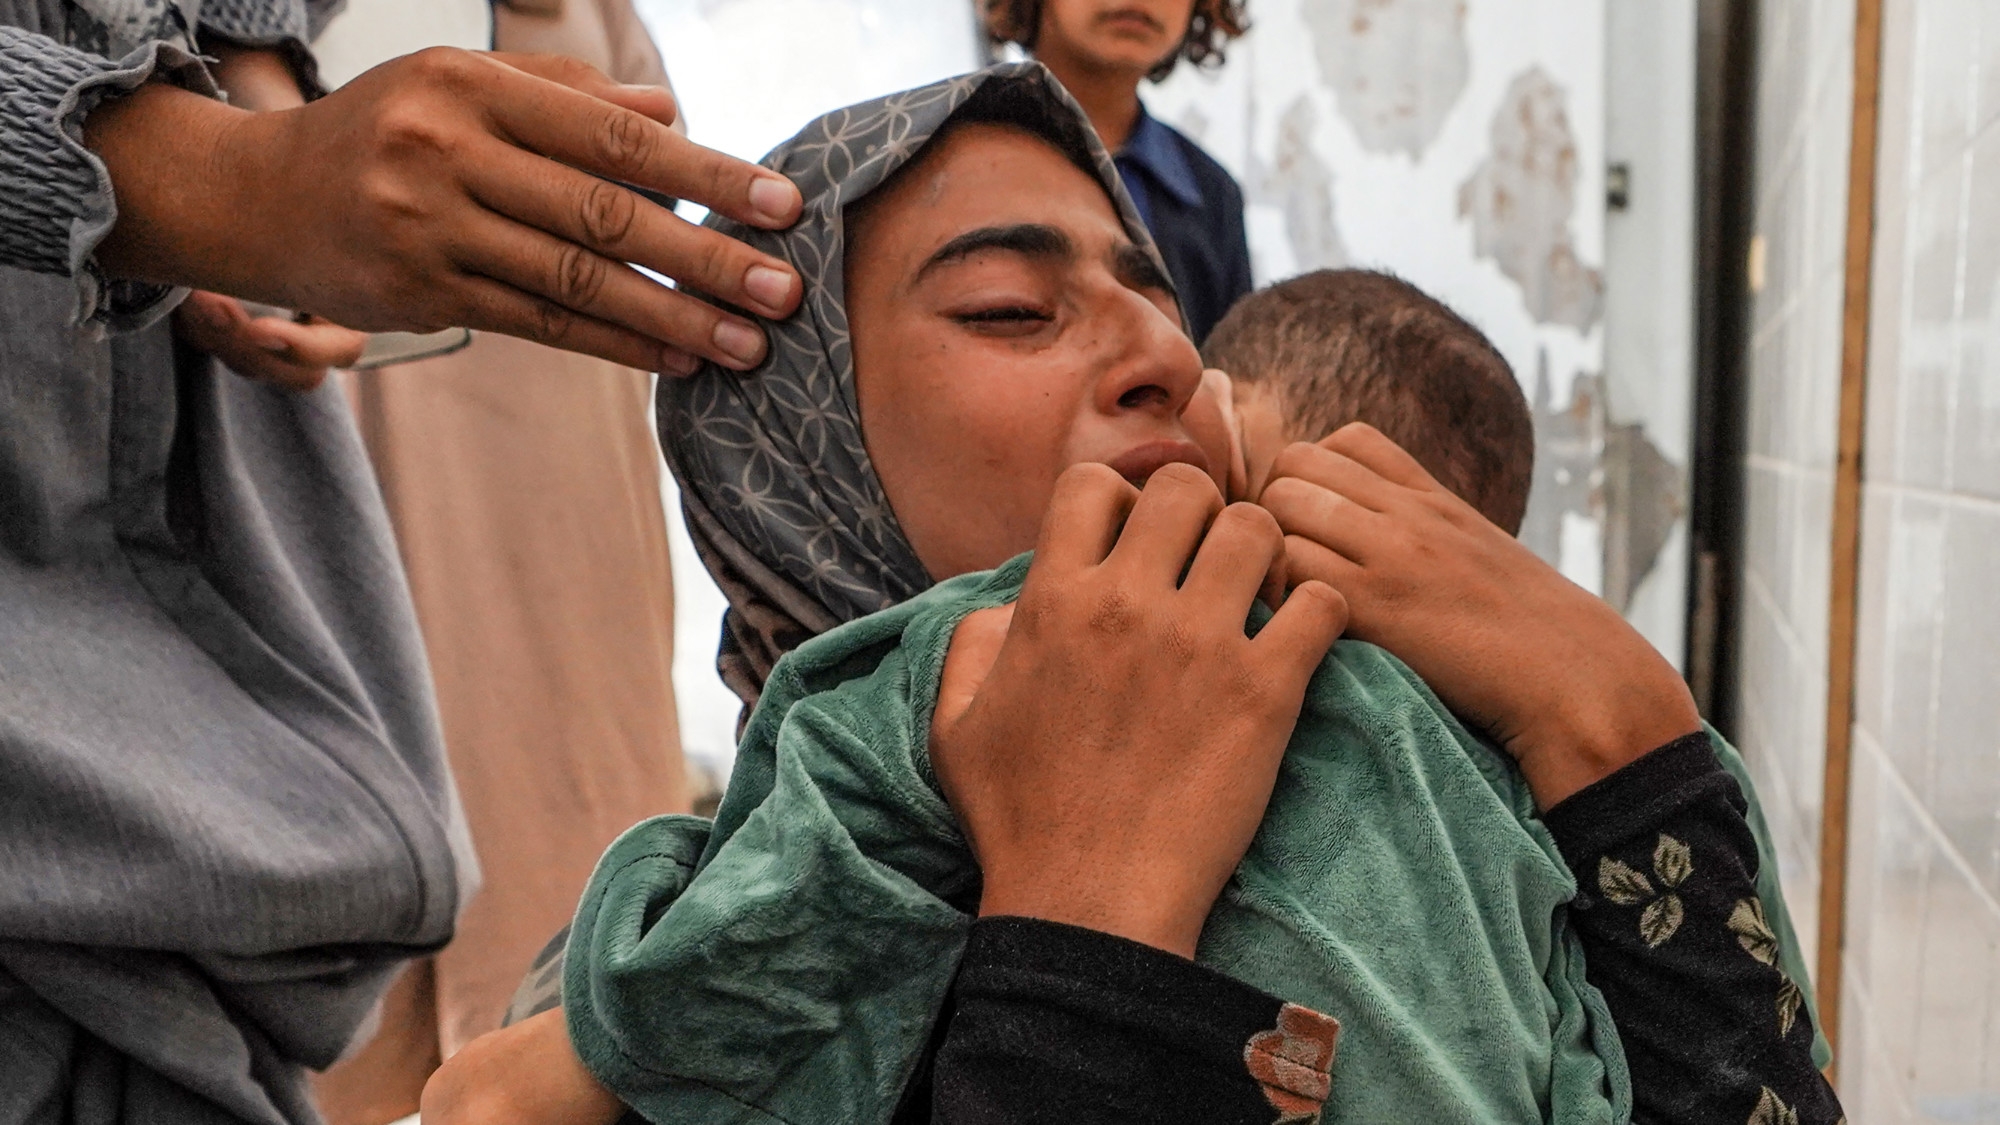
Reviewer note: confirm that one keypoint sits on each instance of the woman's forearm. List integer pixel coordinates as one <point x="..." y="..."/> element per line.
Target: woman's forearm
<point x="1049" y="1022"/>
<point x="1676" y="939"/>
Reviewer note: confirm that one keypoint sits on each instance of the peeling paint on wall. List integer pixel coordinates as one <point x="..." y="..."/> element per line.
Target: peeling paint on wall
<point x="1569" y="449"/>
<point x="1643" y="503"/>
<point x="1396" y="66"/>
<point x="1607" y="478"/>
<point x="1300" y="184"/>
<point x="1521" y="199"/>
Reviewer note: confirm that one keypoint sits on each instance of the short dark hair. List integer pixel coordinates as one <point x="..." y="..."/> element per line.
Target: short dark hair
<point x="1214" y="24"/>
<point x="1340" y="346"/>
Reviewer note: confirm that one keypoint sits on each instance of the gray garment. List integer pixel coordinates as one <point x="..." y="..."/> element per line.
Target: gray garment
<point x="58" y="60"/>
<point x="225" y="815"/>
<point x="55" y="195"/>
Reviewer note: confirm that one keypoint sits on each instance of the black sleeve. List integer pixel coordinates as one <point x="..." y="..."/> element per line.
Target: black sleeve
<point x="1675" y="938"/>
<point x="1051" y="1023"/>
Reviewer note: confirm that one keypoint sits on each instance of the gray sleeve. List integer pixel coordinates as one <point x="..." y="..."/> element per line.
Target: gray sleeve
<point x="286" y="26"/>
<point x="256" y="23"/>
<point x="56" y="203"/>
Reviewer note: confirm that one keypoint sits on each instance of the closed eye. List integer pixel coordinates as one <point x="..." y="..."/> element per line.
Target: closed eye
<point x="1008" y="314"/>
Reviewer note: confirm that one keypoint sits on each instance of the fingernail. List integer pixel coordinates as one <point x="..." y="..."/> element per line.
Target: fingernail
<point x="774" y="198"/>
<point x="740" y="342"/>
<point x="275" y="347"/>
<point x="768" y="287"/>
<point x="678" y="363"/>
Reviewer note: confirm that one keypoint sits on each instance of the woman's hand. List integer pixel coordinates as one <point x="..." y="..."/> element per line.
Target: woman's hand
<point x="452" y="188"/>
<point x="527" y="1074"/>
<point x="1113" y="764"/>
<point x="269" y="349"/>
<point x="1547" y="669"/>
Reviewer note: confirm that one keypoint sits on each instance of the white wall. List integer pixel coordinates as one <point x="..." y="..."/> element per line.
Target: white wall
<point x="1649" y="286"/>
<point x="369" y="32"/>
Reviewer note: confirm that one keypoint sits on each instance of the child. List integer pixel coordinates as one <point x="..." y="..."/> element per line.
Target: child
<point x="1309" y="355"/>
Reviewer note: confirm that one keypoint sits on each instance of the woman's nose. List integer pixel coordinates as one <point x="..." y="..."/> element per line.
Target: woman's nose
<point x="1155" y="367"/>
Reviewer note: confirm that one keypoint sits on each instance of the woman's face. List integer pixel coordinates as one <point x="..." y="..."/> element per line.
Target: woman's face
<point x="1006" y="328"/>
<point x="1126" y="35"/>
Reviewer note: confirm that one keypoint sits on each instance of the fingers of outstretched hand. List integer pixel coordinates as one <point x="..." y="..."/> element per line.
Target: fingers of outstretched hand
<point x="1085" y="515"/>
<point x="586" y="130"/>
<point x="623" y="225"/>
<point x="619" y="224"/>
<point x="595" y="288"/>
<point x="1167" y="523"/>
<point x="1242" y="558"/>
<point x="656" y="102"/>
<point x="499" y="307"/>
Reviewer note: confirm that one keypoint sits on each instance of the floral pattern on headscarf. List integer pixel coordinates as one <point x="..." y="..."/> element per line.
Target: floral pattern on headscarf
<point x="781" y="499"/>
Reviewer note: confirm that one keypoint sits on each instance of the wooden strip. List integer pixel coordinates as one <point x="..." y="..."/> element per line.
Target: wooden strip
<point x="1846" y="545"/>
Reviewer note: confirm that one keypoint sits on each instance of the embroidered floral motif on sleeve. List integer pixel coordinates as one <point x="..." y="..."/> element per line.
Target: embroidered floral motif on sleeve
<point x="1673" y="864"/>
<point x="1293" y="1062"/>
<point x="1754" y="934"/>
<point x="1771" y="1110"/>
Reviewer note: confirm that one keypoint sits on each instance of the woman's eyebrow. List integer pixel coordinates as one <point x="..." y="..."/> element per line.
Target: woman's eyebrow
<point x="1034" y="240"/>
<point x="1137" y="269"/>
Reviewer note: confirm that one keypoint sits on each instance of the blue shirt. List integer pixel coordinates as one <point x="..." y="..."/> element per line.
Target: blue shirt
<point x="1194" y="209"/>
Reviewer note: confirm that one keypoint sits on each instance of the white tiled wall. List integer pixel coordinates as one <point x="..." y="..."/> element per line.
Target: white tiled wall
<point x="1804" y="107"/>
<point x="1922" y="990"/>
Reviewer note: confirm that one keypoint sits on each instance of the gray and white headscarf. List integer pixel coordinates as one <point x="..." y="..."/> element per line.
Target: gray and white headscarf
<point x="782" y="501"/>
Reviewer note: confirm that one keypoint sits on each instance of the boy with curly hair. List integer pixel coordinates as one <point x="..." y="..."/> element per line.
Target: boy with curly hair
<point x="1101" y="50"/>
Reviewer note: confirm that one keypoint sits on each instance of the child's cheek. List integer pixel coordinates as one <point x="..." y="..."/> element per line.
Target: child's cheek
<point x="1211" y="422"/>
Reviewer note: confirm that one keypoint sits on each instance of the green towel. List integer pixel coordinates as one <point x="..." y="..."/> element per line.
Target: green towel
<point x="787" y="963"/>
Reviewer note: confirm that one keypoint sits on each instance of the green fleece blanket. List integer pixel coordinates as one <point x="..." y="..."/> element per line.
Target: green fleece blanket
<point x="787" y="963"/>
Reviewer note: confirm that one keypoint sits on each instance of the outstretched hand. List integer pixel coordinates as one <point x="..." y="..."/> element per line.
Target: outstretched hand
<point x="453" y="188"/>
<point x="1110" y="741"/>
<point x="1547" y="669"/>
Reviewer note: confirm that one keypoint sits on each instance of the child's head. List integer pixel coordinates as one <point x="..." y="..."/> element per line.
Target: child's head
<point x="1314" y="353"/>
<point x="1134" y="36"/>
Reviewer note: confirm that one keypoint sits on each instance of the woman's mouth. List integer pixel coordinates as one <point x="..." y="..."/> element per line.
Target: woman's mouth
<point x="1139" y="463"/>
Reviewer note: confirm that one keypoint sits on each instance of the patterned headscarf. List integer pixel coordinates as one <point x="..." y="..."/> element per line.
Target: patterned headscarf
<point x="781" y="499"/>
